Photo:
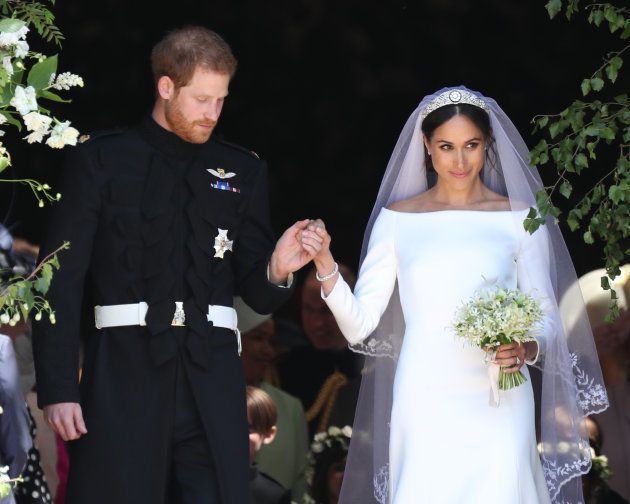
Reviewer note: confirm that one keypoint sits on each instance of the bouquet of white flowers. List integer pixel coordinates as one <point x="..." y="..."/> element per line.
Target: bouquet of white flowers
<point x="497" y="317"/>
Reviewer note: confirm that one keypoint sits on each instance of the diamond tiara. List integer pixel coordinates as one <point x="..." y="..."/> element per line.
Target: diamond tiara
<point x="453" y="97"/>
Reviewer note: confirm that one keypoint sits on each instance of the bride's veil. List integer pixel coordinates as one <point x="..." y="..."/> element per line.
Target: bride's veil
<point x="572" y="385"/>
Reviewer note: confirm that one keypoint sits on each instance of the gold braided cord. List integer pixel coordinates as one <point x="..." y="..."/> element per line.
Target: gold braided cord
<point x="326" y="399"/>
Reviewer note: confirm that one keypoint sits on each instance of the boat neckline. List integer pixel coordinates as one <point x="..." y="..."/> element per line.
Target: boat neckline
<point x="456" y="210"/>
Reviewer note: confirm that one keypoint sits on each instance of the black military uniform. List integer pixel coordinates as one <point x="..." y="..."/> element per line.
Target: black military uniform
<point x="143" y="211"/>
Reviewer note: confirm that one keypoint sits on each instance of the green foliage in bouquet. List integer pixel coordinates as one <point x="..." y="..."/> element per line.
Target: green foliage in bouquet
<point x="495" y="317"/>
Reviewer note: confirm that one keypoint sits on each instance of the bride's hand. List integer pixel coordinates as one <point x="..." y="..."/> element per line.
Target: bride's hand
<point x="316" y="240"/>
<point x="511" y="357"/>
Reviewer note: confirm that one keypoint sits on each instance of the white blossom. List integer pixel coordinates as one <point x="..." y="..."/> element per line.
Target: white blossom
<point x="3" y="119"/>
<point x="4" y="318"/>
<point x="317" y="447"/>
<point x="8" y="66"/>
<point x="62" y="135"/>
<point x="334" y="431"/>
<point x="21" y="49"/>
<point x="12" y="38"/>
<point x="35" y="121"/>
<point x="347" y="431"/>
<point x="24" y="100"/>
<point x="67" y="80"/>
<point x="36" y="136"/>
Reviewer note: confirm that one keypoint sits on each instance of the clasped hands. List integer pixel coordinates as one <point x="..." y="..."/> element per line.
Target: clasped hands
<point x="307" y="240"/>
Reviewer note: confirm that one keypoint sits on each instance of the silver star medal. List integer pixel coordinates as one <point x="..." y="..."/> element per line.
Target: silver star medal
<point x="220" y="173"/>
<point x="222" y="244"/>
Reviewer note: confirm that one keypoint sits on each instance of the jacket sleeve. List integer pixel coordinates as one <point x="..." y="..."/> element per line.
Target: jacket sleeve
<point x="74" y="219"/>
<point x="358" y="314"/>
<point x="252" y="254"/>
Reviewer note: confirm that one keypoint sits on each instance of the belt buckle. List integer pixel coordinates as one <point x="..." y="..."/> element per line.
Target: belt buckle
<point x="179" y="318"/>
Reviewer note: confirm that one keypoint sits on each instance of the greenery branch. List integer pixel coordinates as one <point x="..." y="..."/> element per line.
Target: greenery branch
<point x="583" y="136"/>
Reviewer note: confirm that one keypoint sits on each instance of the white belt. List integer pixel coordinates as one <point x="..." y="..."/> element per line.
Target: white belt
<point x="135" y="313"/>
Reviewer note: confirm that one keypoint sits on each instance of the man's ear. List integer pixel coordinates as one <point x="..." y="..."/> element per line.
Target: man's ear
<point x="271" y="435"/>
<point x="165" y="87"/>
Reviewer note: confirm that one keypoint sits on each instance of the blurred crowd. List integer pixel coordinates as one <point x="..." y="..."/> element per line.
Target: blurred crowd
<point x="303" y="383"/>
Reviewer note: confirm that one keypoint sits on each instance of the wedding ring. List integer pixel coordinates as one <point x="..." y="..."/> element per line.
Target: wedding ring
<point x="518" y="361"/>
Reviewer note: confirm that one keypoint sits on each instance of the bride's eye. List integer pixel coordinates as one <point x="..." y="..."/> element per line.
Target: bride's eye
<point x="445" y="147"/>
<point x="472" y="145"/>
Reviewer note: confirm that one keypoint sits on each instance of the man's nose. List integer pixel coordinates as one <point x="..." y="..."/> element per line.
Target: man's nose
<point x="213" y="111"/>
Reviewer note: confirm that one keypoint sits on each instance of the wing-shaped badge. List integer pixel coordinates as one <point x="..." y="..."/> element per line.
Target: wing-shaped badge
<point x="220" y="173"/>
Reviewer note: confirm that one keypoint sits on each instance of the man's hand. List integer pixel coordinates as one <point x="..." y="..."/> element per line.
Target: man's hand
<point x="66" y="419"/>
<point x="289" y="254"/>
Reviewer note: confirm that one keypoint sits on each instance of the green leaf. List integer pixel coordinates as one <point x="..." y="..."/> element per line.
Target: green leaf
<point x="588" y="237"/>
<point x="610" y="13"/>
<point x="554" y="129"/>
<point x="616" y="194"/>
<point x="581" y="160"/>
<point x="565" y="189"/>
<point x="11" y="25"/>
<point x="622" y="98"/>
<point x="542" y="122"/>
<point x="586" y="86"/>
<point x="597" y="84"/>
<point x="12" y="120"/>
<point x="605" y="283"/>
<point x="43" y="281"/>
<point x="597" y="17"/>
<point x="611" y="73"/>
<point x="553" y="7"/>
<point x="53" y="97"/>
<point x="4" y="162"/>
<point x="607" y="133"/>
<point x="592" y="130"/>
<point x="39" y="76"/>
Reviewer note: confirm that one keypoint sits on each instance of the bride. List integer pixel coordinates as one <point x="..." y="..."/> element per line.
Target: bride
<point x="425" y="430"/>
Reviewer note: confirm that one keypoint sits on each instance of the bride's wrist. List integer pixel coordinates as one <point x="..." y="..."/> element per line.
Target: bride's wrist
<point x="325" y="265"/>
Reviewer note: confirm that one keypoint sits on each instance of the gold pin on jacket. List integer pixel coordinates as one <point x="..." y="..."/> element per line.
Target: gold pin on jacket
<point x="221" y="173"/>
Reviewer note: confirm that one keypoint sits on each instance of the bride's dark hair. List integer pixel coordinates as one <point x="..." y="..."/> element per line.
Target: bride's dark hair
<point x="435" y="119"/>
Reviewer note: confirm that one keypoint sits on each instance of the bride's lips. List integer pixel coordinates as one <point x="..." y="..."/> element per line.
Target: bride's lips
<point x="460" y="174"/>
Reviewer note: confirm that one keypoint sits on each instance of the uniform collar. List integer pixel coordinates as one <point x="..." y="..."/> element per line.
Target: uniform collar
<point x="167" y="141"/>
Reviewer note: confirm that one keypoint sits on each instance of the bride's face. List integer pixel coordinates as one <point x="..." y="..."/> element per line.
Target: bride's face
<point x="457" y="150"/>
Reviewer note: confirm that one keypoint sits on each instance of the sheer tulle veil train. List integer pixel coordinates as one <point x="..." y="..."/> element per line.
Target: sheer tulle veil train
<point x="572" y="385"/>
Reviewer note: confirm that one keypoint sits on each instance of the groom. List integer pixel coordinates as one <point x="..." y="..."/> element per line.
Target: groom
<point x="166" y="224"/>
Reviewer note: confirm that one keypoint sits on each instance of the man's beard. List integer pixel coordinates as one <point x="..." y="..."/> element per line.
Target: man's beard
<point x="184" y="128"/>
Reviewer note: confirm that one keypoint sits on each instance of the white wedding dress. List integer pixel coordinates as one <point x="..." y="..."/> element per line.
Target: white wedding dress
<point x="447" y="444"/>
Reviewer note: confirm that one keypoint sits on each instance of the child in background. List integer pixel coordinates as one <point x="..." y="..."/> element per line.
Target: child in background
<point x="262" y="417"/>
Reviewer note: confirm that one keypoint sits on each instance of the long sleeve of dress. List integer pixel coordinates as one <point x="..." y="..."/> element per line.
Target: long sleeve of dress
<point x="533" y="278"/>
<point x="358" y="314"/>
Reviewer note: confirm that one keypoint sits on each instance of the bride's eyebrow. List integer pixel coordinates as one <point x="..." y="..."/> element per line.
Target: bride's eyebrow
<point x="475" y="139"/>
